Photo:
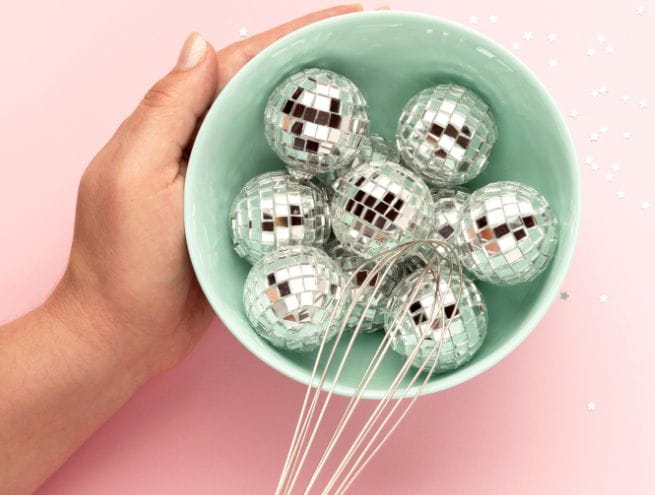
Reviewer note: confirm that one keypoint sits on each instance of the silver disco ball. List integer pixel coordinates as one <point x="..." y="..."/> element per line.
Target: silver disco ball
<point x="368" y="312"/>
<point x="276" y="210"/>
<point x="447" y="309"/>
<point x="378" y="206"/>
<point x="315" y="121"/>
<point x="289" y="296"/>
<point x="445" y="134"/>
<point x="507" y="233"/>
<point x="448" y="203"/>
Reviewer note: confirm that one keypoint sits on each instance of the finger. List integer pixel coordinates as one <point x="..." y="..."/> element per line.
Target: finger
<point x="164" y="122"/>
<point x="235" y="56"/>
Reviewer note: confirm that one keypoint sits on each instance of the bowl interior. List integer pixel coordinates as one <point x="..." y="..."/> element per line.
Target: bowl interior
<point x="390" y="56"/>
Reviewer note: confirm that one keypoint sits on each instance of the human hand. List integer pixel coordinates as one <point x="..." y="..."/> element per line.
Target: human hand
<point x="129" y="282"/>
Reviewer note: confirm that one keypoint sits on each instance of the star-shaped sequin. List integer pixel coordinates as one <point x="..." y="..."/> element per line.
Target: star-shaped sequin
<point x="563" y="295"/>
<point x="641" y="10"/>
<point x="645" y="205"/>
<point x="591" y="406"/>
<point x="552" y="62"/>
<point x="588" y="159"/>
<point x="609" y="49"/>
<point x="527" y="36"/>
<point x="603" y="298"/>
<point x="620" y="194"/>
<point x="595" y="166"/>
<point x="603" y="129"/>
<point x="616" y="167"/>
<point x="603" y="90"/>
<point x="243" y="32"/>
<point x="625" y="98"/>
<point x="643" y="103"/>
<point x="591" y="52"/>
<point x="609" y="177"/>
<point x="593" y="137"/>
<point x="552" y="37"/>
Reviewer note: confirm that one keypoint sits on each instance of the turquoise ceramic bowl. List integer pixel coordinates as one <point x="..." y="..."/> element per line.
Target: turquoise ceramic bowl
<point x="390" y="56"/>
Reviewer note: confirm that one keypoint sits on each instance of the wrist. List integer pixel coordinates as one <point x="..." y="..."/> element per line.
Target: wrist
<point x="83" y="319"/>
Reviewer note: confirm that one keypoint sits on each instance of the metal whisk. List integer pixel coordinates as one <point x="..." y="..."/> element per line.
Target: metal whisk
<point x="432" y="258"/>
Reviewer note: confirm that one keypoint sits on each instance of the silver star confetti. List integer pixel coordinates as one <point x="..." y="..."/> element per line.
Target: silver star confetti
<point x="593" y="137"/>
<point x="591" y="406"/>
<point x="620" y="194"/>
<point x="564" y="295"/>
<point x="552" y="37"/>
<point x="591" y="52"/>
<point x="643" y="103"/>
<point x="473" y="19"/>
<point x="645" y="205"/>
<point x="243" y="32"/>
<point x="516" y="46"/>
<point x="627" y="135"/>
<point x="552" y="62"/>
<point x="493" y="19"/>
<point x="574" y="114"/>
<point x="527" y="36"/>
<point x="625" y="98"/>
<point x="640" y="10"/>
<point x="603" y="298"/>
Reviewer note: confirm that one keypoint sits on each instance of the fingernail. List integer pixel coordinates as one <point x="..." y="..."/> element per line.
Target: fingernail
<point x="192" y="52"/>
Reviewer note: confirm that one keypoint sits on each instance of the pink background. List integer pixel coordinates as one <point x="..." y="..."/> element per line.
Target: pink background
<point x="571" y="411"/>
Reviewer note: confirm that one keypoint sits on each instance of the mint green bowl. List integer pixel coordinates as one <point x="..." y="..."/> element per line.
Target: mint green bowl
<point x="390" y="56"/>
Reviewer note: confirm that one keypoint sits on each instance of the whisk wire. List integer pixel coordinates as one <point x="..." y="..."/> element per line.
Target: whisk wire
<point x="300" y="444"/>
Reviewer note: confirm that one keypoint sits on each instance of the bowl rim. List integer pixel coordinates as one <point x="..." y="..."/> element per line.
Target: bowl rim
<point x="549" y="290"/>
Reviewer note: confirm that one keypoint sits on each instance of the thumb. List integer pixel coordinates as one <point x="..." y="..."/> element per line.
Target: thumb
<point x="165" y="121"/>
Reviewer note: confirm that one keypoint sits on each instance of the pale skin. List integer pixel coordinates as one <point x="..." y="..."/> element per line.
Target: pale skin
<point x="128" y="307"/>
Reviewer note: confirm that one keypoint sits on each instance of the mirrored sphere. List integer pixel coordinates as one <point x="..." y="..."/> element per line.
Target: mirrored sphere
<point x="447" y="309"/>
<point x="289" y="296"/>
<point x="315" y="121"/>
<point x="368" y="312"/>
<point x="275" y="210"/>
<point x="445" y="134"/>
<point x="379" y="205"/>
<point x="507" y="233"/>
<point x="447" y="204"/>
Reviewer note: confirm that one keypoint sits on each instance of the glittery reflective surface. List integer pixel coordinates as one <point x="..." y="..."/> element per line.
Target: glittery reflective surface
<point x="373" y="148"/>
<point x="349" y="262"/>
<point x="315" y="120"/>
<point x="507" y="233"/>
<point x="289" y="295"/>
<point x="379" y="205"/>
<point x="275" y="210"/>
<point x="448" y="203"/>
<point x="445" y="134"/>
<point x="438" y="301"/>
